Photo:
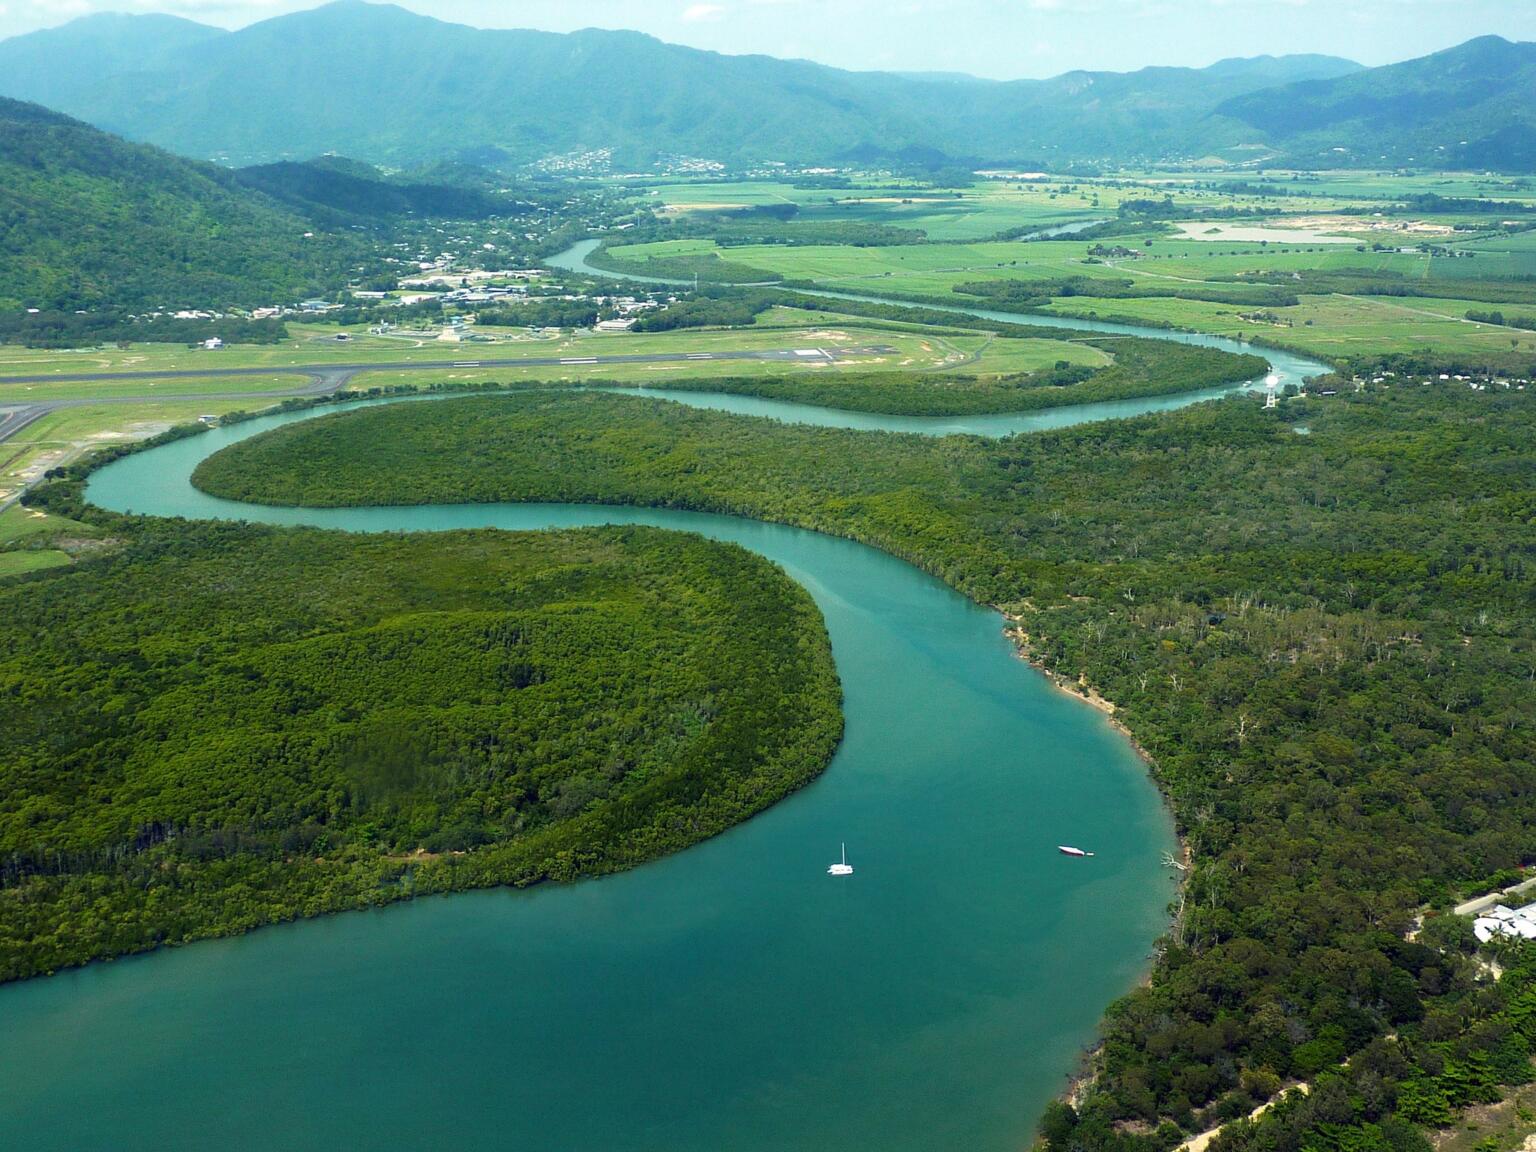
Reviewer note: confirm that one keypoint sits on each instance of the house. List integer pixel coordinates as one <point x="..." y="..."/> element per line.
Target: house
<point x="1502" y="921"/>
<point x="614" y="325"/>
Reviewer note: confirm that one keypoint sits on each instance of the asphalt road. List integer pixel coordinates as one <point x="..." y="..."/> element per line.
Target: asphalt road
<point x="326" y="378"/>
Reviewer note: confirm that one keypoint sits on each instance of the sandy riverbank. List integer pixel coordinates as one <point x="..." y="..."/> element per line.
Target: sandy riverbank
<point x="1081" y="1082"/>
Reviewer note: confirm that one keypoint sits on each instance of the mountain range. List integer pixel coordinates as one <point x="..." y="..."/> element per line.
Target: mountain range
<point x="392" y="87"/>
<point x="1473" y="106"/>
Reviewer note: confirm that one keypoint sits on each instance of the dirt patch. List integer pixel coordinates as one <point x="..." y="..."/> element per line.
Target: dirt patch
<point x="1510" y="1124"/>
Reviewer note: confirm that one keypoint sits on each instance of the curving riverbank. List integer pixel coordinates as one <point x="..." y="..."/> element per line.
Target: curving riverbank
<point x="728" y="996"/>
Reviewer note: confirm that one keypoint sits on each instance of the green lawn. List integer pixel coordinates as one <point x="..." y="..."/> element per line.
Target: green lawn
<point x="221" y="386"/>
<point x="1340" y="325"/>
<point x="20" y="563"/>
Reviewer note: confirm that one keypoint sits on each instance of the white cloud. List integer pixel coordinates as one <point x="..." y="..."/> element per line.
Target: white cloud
<point x="699" y="13"/>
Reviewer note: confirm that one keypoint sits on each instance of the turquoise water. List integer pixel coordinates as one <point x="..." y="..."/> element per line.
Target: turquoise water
<point x="730" y="997"/>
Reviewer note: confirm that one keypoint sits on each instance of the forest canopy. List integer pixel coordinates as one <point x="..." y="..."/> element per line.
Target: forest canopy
<point x="1324" y="641"/>
<point x="222" y="726"/>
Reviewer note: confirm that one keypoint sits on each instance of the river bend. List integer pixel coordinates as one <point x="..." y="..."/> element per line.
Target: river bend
<point x="728" y="997"/>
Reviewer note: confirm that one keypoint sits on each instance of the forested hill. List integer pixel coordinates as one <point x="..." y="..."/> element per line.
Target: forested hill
<point x="88" y="220"/>
<point x="333" y="190"/>
<point x="1467" y="107"/>
<point x="390" y="86"/>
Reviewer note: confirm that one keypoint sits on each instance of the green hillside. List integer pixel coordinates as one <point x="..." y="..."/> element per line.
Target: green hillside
<point x="88" y="221"/>
<point x="343" y="192"/>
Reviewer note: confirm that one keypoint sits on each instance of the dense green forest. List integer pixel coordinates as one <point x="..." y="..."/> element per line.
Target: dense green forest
<point x="707" y="267"/>
<point x="89" y="220"/>
<point x="341" y="193"/>
<point x="222" y="726"/>
<point x="1325" y="642"/>
<point x="55" y="329"/>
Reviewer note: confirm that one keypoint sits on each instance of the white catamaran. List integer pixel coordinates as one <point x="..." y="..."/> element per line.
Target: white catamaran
<point x="843" y="869"/>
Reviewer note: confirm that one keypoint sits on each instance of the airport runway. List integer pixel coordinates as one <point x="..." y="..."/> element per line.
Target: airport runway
<point x="325" y="378"/>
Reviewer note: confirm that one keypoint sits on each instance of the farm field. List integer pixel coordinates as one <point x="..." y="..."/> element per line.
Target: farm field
<point x="1227" y="259"/>
<point x="932" y="263"/>
<point x="1326" y="326"/>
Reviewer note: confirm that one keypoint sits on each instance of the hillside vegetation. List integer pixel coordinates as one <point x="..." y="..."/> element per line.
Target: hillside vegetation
<point x="87" y="220"/>
<point x="1324" y="642"/>
<point x="222" y="726"/>
<point x="341" y="192"/>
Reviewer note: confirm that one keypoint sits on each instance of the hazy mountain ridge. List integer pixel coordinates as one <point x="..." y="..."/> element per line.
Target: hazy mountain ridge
<point x="392" y="87"/>
<point x="1472" y="105"/>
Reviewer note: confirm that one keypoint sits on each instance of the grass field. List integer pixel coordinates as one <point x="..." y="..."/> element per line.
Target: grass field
<point x="19" y="563"/>
<point x="67" y="433"/>
<point x="947" y="214"/>
<point x="916" y="349"/>
<point x="222" y="387"/>
<point x="972" y="353"/>
<point x="1339" y="325"/>
<point x="31" y="541"/>
<point x="1328" y="325"/>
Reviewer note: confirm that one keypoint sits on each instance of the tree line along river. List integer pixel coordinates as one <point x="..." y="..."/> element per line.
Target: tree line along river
<point x="731" y="996"/>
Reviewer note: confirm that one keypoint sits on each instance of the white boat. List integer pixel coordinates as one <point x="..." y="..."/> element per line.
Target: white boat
<point x="1068" y="850"/>
<point x="843" y="869"/>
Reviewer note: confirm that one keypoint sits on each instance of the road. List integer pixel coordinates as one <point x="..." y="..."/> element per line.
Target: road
<point x="325" y="378"/>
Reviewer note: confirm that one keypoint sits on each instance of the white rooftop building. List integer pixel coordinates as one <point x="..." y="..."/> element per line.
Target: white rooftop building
<point x="1503" y="921"/>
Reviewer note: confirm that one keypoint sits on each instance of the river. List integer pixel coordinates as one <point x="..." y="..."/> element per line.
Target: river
<point x="730" y="997"/>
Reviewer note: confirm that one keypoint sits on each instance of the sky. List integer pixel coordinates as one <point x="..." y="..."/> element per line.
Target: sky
<point x="1003" y="39"/>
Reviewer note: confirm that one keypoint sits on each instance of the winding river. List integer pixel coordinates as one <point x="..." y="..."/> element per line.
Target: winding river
<point x="729" y="997"/>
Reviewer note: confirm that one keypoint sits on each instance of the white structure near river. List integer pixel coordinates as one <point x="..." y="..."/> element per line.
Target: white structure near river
<point x="1503" y="921"/>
